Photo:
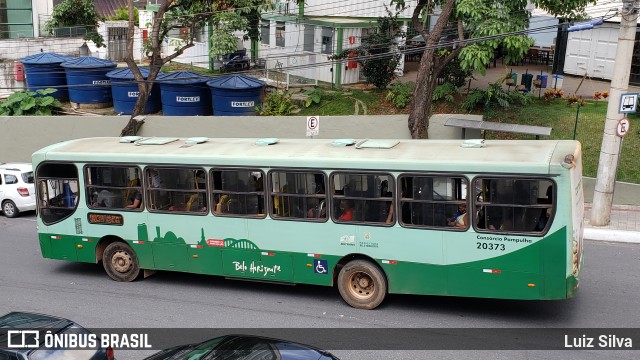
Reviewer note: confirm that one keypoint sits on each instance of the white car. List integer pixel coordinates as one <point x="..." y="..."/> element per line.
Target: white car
<point x="17" y="191"/>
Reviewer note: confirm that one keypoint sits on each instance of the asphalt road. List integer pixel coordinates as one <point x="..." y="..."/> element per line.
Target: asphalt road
<point x="608" y="297"/>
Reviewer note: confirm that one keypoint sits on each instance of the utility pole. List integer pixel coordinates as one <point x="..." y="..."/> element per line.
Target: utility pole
<point x="610" y="150"/>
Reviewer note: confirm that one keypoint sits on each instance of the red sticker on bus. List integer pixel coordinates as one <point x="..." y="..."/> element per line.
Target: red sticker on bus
<point x="215" y="242"/>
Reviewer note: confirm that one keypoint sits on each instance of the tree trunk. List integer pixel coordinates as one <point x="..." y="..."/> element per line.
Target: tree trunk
<point x="430" y="66"/>
<point x="423" y="96"/>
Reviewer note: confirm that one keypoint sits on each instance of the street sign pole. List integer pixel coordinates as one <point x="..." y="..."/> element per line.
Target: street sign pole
<point x="610" y="150"/>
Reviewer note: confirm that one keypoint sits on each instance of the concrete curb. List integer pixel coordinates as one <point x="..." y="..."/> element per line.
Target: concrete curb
<point x="612" y="235"/>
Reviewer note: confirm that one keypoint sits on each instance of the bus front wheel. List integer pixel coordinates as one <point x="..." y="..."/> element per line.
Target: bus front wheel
<point x="362" y="284"/>
<point x="120" y="262"/>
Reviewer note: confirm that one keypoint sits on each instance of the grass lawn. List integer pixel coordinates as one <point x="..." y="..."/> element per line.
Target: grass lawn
<point x="589" y="131"/>
<point x="344" y="103"/>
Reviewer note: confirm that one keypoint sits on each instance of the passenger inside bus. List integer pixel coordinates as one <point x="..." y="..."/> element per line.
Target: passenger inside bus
<point x="316" y="209"/>
<point x="544" y="219"/>
<point x="221" y="204"/>
<point x="459" y="219"/>
<point x="135" y="201"/>
<point x="135" y="198"/>
<point x="346" y="208"/>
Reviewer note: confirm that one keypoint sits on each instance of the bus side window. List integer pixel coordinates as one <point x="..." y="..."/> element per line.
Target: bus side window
<point x="363" y="198"/>
<point x="177" y="189"/>
<point x="298" y="195"/>
<point x="58" y="191"/>
<point x="434" y="201"/>
<point x="514" y="204"/>
<point x="238" y="192"/>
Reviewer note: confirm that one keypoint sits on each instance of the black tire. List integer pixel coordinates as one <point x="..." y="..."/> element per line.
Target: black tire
<point x="120" y="262"/>
<point x="362" y="284"/>
<point x="10" y="209"/>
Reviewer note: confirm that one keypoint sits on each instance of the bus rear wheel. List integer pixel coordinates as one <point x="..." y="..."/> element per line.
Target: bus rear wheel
<point x="120" y="262"/>
<point x="362" y="284"/>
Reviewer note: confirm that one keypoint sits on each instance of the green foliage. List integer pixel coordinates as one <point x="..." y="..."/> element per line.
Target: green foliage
<point x="30" y="103"/>
<point x="223" y="40"/>
<point x="495" y="94"/>
<point x="445" y="91"/>
<point x="491" y="18"/>
<point x="401" y="94"/>
<point x="76" y="13"/>
<point x="379" y="71"/>
<point x="475" y="57"/>
<point x="475" y="99"/>
<point x="123" y="14"/>
<point x="232" y="16"/>
<point x="277" y="103"/>
<point x="227" y="17"/>
<point x="519" y="99"/>
<point x="454" y="73"/>
<point x="315" y="96"/>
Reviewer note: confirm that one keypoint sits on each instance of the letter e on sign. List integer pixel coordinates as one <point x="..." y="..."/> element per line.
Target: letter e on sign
<point x="623" y="127"/>
<point x="313" y="125"/>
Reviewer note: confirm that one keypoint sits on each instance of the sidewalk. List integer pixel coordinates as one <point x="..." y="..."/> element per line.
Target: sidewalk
<point x="624" y="225"/>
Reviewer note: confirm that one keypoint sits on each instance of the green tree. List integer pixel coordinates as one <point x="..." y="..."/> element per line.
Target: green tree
<point x="379" y="71"/>
<point x="76" y="13"/>
<point x="123" y="14"/>
<point x="191" y="15"/>
<point x="236" y="15"/>
<point x="471" y="19"/>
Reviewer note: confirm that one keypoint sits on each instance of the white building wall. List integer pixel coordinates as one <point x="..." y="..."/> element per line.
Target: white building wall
<point x="592" y="51"/>
<point x="311" y="65"/>
<point x="350" y="8"/>
<point x="197" y="55"/>
<point x="351" y="39"/>
<point x="29" y="46"/>
<point x="40" y="8"/>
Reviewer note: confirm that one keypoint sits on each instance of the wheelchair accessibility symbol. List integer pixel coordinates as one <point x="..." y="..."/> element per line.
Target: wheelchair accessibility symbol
<point x="321" y="267"/>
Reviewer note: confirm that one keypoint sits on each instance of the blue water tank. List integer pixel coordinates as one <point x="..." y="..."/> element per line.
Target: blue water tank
<point x="43" y="71"/>
<point x="235" y="95"/>
<point x="88" y="81"/>
<point x="185" y="93"/>
<point x="124" y="90"/>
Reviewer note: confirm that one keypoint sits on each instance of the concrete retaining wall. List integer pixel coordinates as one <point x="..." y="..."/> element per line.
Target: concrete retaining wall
<point x="21" y="136"/>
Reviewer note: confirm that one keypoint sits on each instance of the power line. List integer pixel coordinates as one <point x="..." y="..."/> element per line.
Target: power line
<point x="401" y="50"/>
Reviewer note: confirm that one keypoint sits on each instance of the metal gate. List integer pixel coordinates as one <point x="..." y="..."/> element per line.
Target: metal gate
<point x="117" y="43"/>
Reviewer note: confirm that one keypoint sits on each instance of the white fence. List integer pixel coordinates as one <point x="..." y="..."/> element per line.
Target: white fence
<point x="197" y="55"/>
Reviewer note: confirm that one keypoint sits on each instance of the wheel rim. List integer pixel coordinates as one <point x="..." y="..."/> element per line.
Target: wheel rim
<point x="121" y="261"/>
<point x="361" y="286"/>
<point x="8" y="209"/>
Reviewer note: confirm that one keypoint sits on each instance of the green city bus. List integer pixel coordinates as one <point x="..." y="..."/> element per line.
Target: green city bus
<point x="492" y="219"/>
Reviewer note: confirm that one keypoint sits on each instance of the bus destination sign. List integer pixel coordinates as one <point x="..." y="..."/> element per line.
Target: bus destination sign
<point x="105" y="219"/>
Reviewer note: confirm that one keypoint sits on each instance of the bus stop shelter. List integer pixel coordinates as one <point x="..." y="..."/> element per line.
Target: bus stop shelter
<point x="494" y="126"/>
